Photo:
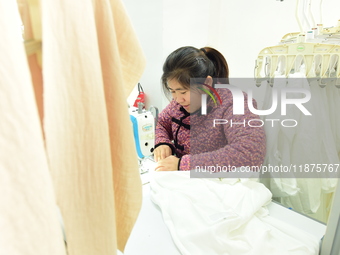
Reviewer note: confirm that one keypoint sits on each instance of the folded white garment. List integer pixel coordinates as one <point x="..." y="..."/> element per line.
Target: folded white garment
<point x="224" y="216"/>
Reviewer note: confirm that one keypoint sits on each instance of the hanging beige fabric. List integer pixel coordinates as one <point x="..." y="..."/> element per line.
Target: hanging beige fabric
<point x="122" y="64"/>
<point x="88" y="132"/>
<point x="28" y="216"/>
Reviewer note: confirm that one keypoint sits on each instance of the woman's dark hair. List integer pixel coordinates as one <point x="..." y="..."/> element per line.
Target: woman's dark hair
<point x="189" y="62"/>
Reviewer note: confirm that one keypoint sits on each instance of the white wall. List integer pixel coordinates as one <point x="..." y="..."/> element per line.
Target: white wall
<point x="239" y="29"/>
<point x="147" y="18"/>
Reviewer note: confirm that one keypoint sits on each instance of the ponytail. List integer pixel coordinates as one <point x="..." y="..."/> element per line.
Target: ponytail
<point x="220" y="63"/>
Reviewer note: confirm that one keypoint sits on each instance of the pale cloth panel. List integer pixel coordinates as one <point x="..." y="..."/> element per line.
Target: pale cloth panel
<point x="311" y="142"/>
<point x="28" y="217"/>
<point x="122" y="65"/>
<point x="88" y="132"/>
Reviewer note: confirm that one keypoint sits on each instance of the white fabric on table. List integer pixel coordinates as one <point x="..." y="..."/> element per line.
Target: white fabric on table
<point x="213" y="216"/>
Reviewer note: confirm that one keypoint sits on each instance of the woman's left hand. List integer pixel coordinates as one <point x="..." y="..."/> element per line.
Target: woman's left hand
<point x="168" y="164"/>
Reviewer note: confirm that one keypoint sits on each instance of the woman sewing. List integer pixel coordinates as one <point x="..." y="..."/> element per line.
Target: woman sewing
<point x="186" y="136"/>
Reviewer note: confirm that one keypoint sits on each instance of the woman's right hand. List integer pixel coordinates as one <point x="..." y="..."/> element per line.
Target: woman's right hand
<point x="162" y="152"/>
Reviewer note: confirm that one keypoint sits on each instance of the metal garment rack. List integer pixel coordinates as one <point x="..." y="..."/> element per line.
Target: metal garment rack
<point x="318" y="50"/>
<point x="321" y="61"/>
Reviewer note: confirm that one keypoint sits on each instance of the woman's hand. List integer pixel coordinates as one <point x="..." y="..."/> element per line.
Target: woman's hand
<point x="162" y="152"/>
<point x="168" y="164"/>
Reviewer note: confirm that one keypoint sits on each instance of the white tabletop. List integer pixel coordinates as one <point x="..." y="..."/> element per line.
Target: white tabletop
<point x="150" y="235"/>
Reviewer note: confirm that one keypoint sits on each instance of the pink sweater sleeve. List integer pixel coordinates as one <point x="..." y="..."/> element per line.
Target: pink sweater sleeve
<point x="163" y="128"/>
<point x="246" y="145"/>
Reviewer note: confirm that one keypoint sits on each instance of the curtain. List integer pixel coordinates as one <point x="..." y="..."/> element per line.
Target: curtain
<point x="28" y="216"/>
<point x="91" y="60"/>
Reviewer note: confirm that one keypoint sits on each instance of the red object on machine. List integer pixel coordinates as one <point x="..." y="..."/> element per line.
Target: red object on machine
<point x="141" y="97"/>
